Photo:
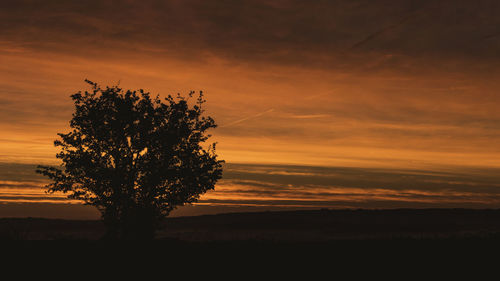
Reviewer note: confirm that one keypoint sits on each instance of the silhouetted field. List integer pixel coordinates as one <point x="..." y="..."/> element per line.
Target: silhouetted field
<point x="317" y="226"/>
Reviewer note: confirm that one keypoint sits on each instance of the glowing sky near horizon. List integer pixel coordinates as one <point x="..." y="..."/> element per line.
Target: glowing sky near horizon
<point x="361" y="84"/>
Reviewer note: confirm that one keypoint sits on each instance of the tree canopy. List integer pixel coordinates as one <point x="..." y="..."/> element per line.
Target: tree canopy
<point x="135" y="157"/>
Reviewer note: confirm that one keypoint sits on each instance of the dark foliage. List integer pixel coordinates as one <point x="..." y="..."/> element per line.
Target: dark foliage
<point x="134" y="157"/>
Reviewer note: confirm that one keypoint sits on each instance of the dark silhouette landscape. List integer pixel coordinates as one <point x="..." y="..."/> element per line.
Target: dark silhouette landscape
<point x="346" y="124"/>
<point x="284" y="227"/>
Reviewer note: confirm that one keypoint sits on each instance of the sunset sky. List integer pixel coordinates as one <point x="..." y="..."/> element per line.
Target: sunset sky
<point x="331" y="104"/>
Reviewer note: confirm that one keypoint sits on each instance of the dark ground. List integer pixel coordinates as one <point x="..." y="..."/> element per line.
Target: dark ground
<point x="318" y="226"/>
<point x="359" y="242"/>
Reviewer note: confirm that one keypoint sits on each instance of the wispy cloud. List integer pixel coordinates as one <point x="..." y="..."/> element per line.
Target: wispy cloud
<point x="265" y="187"/>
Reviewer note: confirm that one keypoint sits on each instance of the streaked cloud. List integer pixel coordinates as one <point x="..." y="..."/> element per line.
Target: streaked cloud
<point x="265" y="187"/>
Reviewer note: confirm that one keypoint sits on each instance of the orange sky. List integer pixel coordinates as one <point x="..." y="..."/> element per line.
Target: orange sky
<point x="271" y="113"/>
<point x="374" y="84"/>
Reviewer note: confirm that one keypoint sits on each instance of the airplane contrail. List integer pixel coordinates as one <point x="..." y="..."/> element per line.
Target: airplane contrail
<point x="370" y="37"/>
<point x="248" y="117"/>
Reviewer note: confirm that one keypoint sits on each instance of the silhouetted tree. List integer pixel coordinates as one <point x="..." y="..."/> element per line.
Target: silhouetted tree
<point x="134" y="157"/>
